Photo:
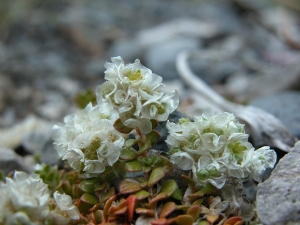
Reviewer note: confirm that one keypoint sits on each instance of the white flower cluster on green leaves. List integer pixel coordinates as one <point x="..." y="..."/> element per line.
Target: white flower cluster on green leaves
<point x="87" y="141"/>
<point x="133" y="90"/>
<point x="25" y="200"/>
<point x="215" y="147"/>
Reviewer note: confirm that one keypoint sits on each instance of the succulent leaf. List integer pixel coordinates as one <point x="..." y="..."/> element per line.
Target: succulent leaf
<point x="119" y="126"/>
<point x="128" y="154"/>
<point x="156" y="175"/>
<point x="184" y="220"/>
<point x="177" y="194"/>
<point x="154" y="123"/>
<point x="129" y="186"/>
<point x="130" y="142"/>
<point x="189" y="180"/>
<point x="143" y="211"/>
<point x="236" y="220"/>
<point x="160" y="221"/>
<point x="131" y="201"/>
<point x="153" y="137"/>
<point x="86" y="202"/>
<point x="204" y="222"/>
<point x="142" y="194"/>
<point x="107" y="206"/>
<point x="108" y="194"/>
<point x="168" y="187"/>
<point x="167" y="209"/>
<point x="212" y="218"/>
<point x="194" y="212"/>
<point x="144" y="148"/>
<point x="133" y="166"/>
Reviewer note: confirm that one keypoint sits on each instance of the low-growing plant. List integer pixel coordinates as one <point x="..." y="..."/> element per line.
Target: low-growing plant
<point x="114" y="176"/>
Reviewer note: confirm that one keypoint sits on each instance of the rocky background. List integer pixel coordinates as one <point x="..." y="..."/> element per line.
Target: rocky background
<point x="51" y="50"/>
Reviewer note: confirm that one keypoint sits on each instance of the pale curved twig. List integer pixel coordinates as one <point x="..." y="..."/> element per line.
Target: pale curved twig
<point x="264" y="128"/>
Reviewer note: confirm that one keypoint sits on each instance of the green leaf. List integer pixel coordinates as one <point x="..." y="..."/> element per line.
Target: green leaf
<point x="146" y="169"/>
<point x="207" y="189"/>
<point x="156" y="175"/>
<point x="189" y="180"/>
<point x="204" y="222"/>
<point x="198" y="202"/>
<point x="147" y="212"/>
<point x="98" y="216"/>
<point x="88" y="185"/>
<point x="128" y="154"/>
<point x="119" y="126"/>
<point x="89" y="198"/>
<point x="154" y="123"/>
<point x="111" y="192"/>
<point x="144" y="148"/>
<point x="153" y="137"/>
<point x="51" y="176"/>
<point x="159" y="197"/>
<point x="85" y="97"/>
<point x="109" y="178"/>
<point x="177" y="194"/>
<point x="133" y="166"/>
<point x="142" y="194"/>
<point x="184" y="220"/>
<point x="66" y="187"/>
<point x="101" y="187"/>
<point x="108" y="170"/>
<point x="130" y="142"/>
<point x="168" y="187"/>
<point x="165" y="164"/>
<point x="129" y="186"/>
<point x="167" y="209"/>
<point x="194" y="212"/>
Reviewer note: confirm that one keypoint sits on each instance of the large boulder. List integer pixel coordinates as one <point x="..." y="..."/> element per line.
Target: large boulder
<point x="278" y="198"/>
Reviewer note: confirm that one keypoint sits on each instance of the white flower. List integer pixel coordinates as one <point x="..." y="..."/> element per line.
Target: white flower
<point x="134" y="73"/>
<point x="65" y="211"/>
<point x="238" y="151"/>
<point x="263" y="158"/>
<point x="213" y="142"/>
<point x="161" y="108"/>
<point x="20" y="218"/>
<point x="130" y="114"/>
<point x="148" y="89"/>
<point x="183" y="160"/>
<point x="25" y="199"/>
<point x="83" y="138"/>
<point x="133" y="90"/>
<point x="219" y="145"/>
<point x="207" y="171"/>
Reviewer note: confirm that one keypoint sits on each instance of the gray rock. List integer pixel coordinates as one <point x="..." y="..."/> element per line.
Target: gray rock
<point x="284" y="106"/>
<point x="128" y="49"/>
<point x="278" y="198"/>
<point x="161" y="57"/>
<point x="49" y="154"/>
<point x="215" y="72"/>
<point x="10" y="161"/>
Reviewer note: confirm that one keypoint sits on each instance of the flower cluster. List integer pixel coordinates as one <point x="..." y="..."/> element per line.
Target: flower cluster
<point x="25" y="200"/>
<point x="133" y="90"/>
<point x="215" y="147"/>
<point x="87" y="141"/>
